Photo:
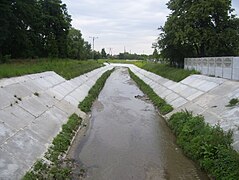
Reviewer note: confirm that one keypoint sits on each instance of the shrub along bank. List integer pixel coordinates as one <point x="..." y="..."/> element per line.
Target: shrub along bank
<point x="55" y="167"/>
<point x="86" y="104"/>
<point x="164" y="70"/>
<point x="161" y="104"/>
<point x="207" y="145"/>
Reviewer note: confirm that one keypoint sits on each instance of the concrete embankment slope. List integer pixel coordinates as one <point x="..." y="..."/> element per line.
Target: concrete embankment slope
<point x="200" y="94"/>
<point x="32" y="111"/>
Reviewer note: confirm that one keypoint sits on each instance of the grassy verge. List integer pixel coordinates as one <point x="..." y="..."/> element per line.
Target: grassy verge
<point x="164" y="70"/>
<point x="64" y="67"/>
<point x="55" y="167"/>
<point x="161" y="104"/>
<point x="86" y="104"/>
<point x="209" y="146"/>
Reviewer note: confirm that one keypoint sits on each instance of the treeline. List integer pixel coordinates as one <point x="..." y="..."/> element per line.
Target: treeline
<point x="130" y="56"/>
<point x="39" y="28"/>
<point x="199" y="29"/>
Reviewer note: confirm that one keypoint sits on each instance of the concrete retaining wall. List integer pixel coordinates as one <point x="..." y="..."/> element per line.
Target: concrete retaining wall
<point x="225" y="67"/>
<point x="200" y="94"/>
<point x="32" y="111"/>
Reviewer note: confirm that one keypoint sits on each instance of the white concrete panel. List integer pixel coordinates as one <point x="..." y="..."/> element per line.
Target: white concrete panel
<point x="54" y="80"/>
<point x="5" y="132"/>
<point x="207" y="86"/>
<point x="44" y="84"/>
<point x="33" y="106"/>
<point x="66" y="107"/>
<point x="194" y="95"/>
<point x="12" y="121"/>
<point x="32" y="86"/>
<point x="235" y="74"/>
<point x="6" y="99"/>
<point x="18" y="90"/>
<point x="11" y="167"/>
<point x="79" y="95"/>
<point x="25" y="144"/>
<point x="17" y="117"/>
<point x="178" y="102"/>
<point x="46" y="126"/>
<point x="171" y="97"/>
<point x="72" y="100"/>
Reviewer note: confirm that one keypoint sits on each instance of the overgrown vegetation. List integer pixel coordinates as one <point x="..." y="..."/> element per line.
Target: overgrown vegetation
<point x="233" y="102"/>
<point x="164" y="70"/>
<point x="199" y="29"/>
<point x="161" y="104"/>
<point x="209" y="146"/>
<point x="64" y="67"/>
<point x="86" y="104"/>
<point x="55" y="167"/>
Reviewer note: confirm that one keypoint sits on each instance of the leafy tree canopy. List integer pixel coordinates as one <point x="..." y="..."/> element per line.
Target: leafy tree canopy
<point x="198" y="28"/>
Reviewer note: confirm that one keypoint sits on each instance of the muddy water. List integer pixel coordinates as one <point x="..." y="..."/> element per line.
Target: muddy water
<point x="128" y="140"/>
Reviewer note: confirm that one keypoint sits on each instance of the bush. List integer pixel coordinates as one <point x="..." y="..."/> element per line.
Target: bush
<point x="60" y="144"/>
<point x="161" y="104"/>
<point x="209" y="146"/>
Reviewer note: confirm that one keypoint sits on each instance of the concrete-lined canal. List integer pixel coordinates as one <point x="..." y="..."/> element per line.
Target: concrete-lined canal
<point x="127" y="139"/>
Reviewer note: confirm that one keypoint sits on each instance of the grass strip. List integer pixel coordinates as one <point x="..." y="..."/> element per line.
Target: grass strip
<point x="86" y="104"/>
<point x="55" y="167"/>
<point x="65" y="67"/>
<point x="207" y="145"/>
<point x="164" y="70"/>
<point x="160" y="103"/>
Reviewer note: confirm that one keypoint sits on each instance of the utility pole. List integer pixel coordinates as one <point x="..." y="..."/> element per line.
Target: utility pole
<point x="93" y="45"/>
<point x="110" y="51"/>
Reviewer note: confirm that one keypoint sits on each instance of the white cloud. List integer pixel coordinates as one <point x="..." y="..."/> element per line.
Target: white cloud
<point x="132" y="24"/>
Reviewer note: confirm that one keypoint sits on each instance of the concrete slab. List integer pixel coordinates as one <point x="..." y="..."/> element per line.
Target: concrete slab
<point x="72" y="100"/>
<point x="46" y="99"/>
<point x="79" y="95"/>
<point x="194" y="95"/>
<point x="5" y="132"/>
<point x="32" y="86"/>
<point x="66" y="107"/>
<point x="25" y="144"/>
<point x="44" y="84"/>
<point x="178" y="102"/>
<point x="11" y="167"/>
<point x="46" y="126"/>
<point x="33" y="106"/>
<point x="17" y="117"/>
<point x="6" y="99"/>
<point x="18" y="90"/>
<point x="11" y="120"/>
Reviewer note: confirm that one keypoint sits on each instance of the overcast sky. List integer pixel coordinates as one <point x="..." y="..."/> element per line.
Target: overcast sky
<point x="119" y="24"/>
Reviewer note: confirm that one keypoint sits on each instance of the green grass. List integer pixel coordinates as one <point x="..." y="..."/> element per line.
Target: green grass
<point x="86" y="104"/>
<point x="160" y="103"/>
<point x="60" y="144"/>
<point x="233" y="102"/>
<point x="164" y="70"/>
<point x="65" y="67"/>
<point x="207" y="145"/>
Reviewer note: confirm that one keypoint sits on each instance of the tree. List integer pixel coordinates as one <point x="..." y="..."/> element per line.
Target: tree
<point x="75" y="44"/>
<point x="155" y="54"/>
<point x="56" y="23"/>
<point x="103" y="53"/>
<point x="199" y="28"/>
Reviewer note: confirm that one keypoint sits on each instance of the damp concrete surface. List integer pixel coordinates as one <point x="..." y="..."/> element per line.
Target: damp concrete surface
<point x="127" y="139"/>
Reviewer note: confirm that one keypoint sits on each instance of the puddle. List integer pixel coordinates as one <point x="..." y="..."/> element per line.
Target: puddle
<point x="127" y="139"/>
